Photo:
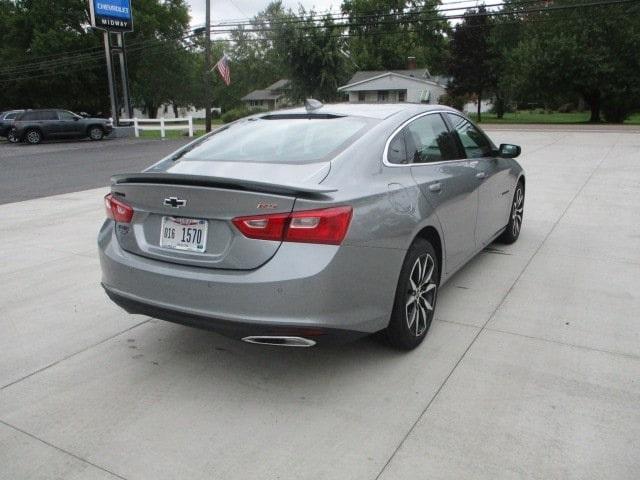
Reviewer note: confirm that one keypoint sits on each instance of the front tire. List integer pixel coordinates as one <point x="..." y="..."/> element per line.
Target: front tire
<point x="96" y="133"/>
<point x="512" y="232"/>
<point x="33" y="136"/>
<point x="416" y="295"/>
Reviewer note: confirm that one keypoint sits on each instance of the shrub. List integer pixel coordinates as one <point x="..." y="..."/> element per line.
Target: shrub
<point x="455" y="101"/>
<point x="567" y="108"/>
<point x="616" y="109"/>
<point x="236" y="113"/>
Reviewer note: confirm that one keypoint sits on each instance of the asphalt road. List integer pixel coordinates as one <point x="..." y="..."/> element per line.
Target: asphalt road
<point x="28" y="171"/>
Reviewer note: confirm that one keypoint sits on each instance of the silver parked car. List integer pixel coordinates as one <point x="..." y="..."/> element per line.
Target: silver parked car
<point x="304" y="225"/>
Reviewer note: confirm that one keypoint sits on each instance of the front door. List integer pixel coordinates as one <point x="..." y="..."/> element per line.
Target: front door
<point x="491" y="177"/>
<point x="70" y="124"/>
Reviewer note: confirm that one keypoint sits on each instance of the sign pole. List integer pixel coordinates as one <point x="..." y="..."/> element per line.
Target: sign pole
<point x="112" y="92"/>
<point x="207" y="65"/>
<point x="124" y="74"/>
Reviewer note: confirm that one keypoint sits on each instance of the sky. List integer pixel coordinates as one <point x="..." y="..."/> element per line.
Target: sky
<point x="226" y="10"/>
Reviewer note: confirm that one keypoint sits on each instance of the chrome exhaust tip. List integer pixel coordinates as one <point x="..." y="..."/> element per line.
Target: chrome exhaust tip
<point x="279" y="341"/>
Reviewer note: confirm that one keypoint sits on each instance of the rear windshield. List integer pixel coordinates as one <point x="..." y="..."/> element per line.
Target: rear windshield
<point x="280" y="140"/>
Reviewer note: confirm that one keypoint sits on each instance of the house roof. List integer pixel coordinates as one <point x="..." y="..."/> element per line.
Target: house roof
<point x="419" y="75"/>
<point x="262" y="95"/>
<point x="279" y="85"/>
<point x="363" y="75"/>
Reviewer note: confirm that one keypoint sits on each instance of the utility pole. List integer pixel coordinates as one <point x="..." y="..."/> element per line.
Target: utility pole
<point x="110" y="79"/>
<point x="124" y="74"/>
<point x="207" y="66"/>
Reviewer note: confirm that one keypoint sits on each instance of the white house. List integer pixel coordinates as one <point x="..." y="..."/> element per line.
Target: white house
<point x="271" y="98"/>
<point x="413" y="85"/>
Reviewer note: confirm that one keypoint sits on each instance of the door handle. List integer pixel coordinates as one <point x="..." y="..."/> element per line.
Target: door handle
<point x="435" y="187"/>
<point x="481" y="175"/>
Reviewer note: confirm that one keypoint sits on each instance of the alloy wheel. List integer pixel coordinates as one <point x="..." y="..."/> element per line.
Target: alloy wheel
<point x="517" y="210"/>
<point x="33" y="137"/>
<point x="96" y="134"/>
<point x="421" y="295"/>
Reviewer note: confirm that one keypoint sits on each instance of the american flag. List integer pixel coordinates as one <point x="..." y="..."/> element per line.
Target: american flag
<point x="223" y="68"/>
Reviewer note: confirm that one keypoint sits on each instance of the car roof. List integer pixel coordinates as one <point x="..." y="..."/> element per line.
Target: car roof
<point x="379" y="111"/>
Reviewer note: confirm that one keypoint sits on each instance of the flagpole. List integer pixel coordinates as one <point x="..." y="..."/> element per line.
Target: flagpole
<point x="207" y="59"/>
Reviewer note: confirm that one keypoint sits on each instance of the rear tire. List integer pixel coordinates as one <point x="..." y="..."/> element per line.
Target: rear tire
<point x="12" y="137"/>
<point x="514" y="227"/>
<point x="33" y="136"/>
<point x="96" y="133"/>
<point x="416" y="295"/>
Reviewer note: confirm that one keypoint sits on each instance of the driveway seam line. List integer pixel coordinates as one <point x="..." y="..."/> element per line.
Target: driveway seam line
<point x="62" y="450"/>
<point x="473" y="341"/>
<point x="71" y="355"/>
<point x="557" y="342"/>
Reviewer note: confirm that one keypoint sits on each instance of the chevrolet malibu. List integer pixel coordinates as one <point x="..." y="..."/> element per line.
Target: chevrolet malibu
<point x="302" y="226"/>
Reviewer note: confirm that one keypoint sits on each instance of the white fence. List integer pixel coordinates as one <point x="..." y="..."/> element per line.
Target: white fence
<point x="160" y="124"/>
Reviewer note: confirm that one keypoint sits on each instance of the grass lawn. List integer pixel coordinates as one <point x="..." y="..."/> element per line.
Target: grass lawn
<point x="214" y="121"/>
<point x="170" y="134"/>
<point x="527" y="116"/>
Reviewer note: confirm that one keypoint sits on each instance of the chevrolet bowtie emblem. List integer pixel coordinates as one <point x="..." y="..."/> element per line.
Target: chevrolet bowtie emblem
<point x="174" y="202"/>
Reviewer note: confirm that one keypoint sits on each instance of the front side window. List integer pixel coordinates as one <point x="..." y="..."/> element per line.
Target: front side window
<point x="475" y="143"/>
<point x="11" y="115"/>
<point x="428" y="140"/>
<point x="64" y="115"/>
<point x="280" y="140"/>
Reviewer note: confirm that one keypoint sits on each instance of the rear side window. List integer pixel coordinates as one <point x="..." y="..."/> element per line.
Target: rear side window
<point x="428" y="140"/>
<point x="280" y="140"/>
<point x="43" y="115"/>
<point x="475" y="143"/>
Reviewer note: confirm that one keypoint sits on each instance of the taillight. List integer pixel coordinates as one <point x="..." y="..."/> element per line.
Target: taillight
<point x="327" y="226"/>
<point x="262" y="227"/>
<point x="117" y="210"/>
<point x="319" y="226"/>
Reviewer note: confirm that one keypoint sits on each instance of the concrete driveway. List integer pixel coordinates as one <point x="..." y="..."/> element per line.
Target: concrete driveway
<point x="531" y="370"/>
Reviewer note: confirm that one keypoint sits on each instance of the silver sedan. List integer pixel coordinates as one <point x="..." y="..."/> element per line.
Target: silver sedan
<point x="312" y="224"/>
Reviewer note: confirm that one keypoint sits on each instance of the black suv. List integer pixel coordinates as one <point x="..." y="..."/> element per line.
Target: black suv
<point x="32" y="126"/>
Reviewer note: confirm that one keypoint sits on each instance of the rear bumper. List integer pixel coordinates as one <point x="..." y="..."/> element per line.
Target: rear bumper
<point x="336" y="291"/>
<point x="234" y="329"/>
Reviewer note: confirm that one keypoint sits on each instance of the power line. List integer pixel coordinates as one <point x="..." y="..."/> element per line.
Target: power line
<point x="79" y="60"/>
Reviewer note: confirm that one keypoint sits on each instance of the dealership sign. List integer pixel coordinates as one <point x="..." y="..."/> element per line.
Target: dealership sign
<point x="113" y="15"/>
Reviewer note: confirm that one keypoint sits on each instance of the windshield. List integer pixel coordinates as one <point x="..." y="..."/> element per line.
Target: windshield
<point x="281" y="140"/>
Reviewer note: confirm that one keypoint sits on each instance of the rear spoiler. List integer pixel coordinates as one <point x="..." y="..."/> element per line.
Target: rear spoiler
<point x="220" y="182"/>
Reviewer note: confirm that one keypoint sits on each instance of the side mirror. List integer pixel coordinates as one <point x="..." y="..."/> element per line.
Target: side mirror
<point x="76" y="118"/>
<point x="507" y="150"/>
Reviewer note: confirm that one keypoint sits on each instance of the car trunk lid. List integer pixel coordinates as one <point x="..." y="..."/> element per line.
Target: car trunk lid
<point x="214" y="199"/>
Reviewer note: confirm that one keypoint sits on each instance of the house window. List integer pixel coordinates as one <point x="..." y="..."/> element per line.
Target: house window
<point x="383" y="95"/>
<point x="361" y="96"/>
<point x="402" y="95"/>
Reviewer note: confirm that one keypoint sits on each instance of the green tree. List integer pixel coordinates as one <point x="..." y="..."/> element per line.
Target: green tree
<point x="473" y="61"/>
<point x="385" y="32"/>
<point x="591" y="52"/>
<point x="159" y="63"/>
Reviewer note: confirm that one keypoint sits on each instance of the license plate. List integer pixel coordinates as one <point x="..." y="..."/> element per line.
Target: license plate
<point x="188" y="234"/>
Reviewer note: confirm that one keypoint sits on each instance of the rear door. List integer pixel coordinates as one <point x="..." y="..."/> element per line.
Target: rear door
<point x="492" y="179"/>
<point x="49" y="123"/>
<point x="447" y="181"/>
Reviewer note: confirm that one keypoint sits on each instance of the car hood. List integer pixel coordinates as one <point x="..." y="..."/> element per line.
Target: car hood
<point x="312" y="173"/>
